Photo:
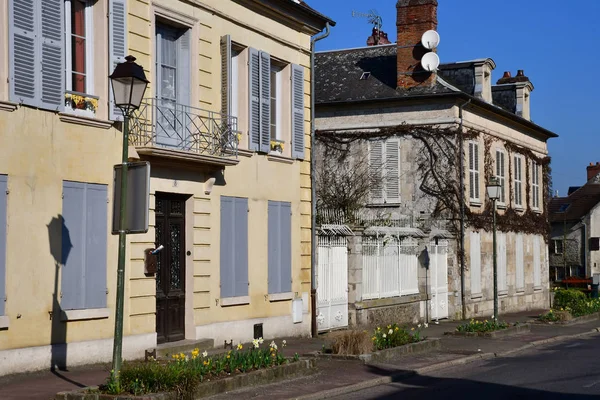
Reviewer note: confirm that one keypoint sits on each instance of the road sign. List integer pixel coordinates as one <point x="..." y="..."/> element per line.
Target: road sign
<point x="138" y="197"/>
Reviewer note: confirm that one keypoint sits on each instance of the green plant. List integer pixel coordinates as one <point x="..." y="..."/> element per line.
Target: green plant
<point x="393" y="336"/>
<point x="113" y="385"/>
<point x="550" y="316"/>
<point x="482" y="326"/>
<point x="575" y="302"/>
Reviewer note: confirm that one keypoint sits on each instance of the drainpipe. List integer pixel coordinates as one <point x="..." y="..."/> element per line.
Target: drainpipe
<point x="313" y="189"/>
<point x="462" y="210"/>
<point x="585" y="248"/>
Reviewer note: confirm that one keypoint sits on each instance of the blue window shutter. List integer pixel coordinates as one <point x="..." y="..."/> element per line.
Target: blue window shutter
<point x="254" y="99"/>
<point x="3" y="212"/>
<point x="183" y="68"/>
<point x="73" y="246"/>
<point x="24" y="62"/>
<point x="285" y="230"/>
<point x="241" y="246"/>
<point x="297" y="111"/>
<point x="274" y="284"/>
<point x="228" y="246"/>
<point x="265" y="102"/>
<point x="52" y="55"/>
<point x="96" y="218"/>
<point x="117" y="47"/>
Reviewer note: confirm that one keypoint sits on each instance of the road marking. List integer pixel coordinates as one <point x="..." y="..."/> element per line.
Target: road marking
<point x="591" y="384"/>
<point x="573" y="345"/>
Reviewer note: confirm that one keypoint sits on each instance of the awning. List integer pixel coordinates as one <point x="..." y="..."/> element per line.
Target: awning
<point x="394" y="231"/>
<point x="335" y="230"/>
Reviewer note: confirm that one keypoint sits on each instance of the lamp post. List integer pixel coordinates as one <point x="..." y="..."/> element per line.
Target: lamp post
<point x="129" y="85"/>
<point x="493" y="189"/>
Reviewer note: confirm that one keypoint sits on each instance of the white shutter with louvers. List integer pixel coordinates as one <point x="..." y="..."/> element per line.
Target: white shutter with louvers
<point x="476" y="170"/>
<point x="117" y="42"/>
<point x="297" y="111"/>
<point x="375" y="170"/>
<point x="254" y="100"/>
<point x="265" y="102"/>
<point x="24" y="60"/>
<point x="226" y="75"/>
<point x="392" y="171"/>
<point x="52" y="55"/>
<point x="471" y="173"/>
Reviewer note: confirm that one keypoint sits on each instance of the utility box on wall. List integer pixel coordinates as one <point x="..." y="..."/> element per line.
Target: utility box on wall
<point x="150" y="262"/>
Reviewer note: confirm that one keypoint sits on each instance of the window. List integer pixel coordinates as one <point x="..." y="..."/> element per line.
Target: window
<point x="234" y="247"/>
<point x="500" y="174"/>
<point x="518" y="181"/>
<point x="475" y="260"/>
<point x="276" y="101"/>
<point x="520" y="263"/>
<point x="594" y="244"/>
<point x="384" y="169"/>
<point x="78" y="46"/>
<point x="557" y="246"/>
<point x="474" y="171"/>
<point x="3" y="213"/>
<point x="535" y="185"/>
<point x="280" y="247"/>
<point x="84" y="236"/>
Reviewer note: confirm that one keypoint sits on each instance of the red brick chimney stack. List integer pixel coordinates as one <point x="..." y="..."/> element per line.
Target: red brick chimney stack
<point x="593" y="170"/>
<point x="414" y="17"/>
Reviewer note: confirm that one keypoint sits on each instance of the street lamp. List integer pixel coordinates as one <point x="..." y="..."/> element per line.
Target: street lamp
<point x="494" y="189"/>
<point x="129" y="85"/>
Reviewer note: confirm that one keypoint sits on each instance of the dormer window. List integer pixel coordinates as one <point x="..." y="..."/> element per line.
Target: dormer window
<point x="365" y="76"/>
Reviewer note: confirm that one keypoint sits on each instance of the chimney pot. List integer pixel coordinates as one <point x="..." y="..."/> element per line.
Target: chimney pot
<point x="520" y="73"/>
<point x="593" y="170"/>
<point x="506" y="74"/>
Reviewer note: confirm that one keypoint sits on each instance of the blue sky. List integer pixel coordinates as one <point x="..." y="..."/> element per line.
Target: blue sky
<point x="554" y="42"/>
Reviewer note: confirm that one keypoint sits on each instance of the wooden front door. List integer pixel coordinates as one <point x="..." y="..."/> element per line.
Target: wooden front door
<point x="170" y="273"/>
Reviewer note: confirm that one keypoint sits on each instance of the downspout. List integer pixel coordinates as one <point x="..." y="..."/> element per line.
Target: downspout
<point x="313" y="189"/>
<point x="462" y="209"/>
<point x="585" y="248"/>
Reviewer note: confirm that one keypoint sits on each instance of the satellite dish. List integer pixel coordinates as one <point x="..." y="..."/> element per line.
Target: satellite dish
<point x="430" y="39"/>
<point x="430" y="62"/>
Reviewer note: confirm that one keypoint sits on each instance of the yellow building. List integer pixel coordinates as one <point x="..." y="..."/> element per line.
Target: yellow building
<point x="226" y="128"/>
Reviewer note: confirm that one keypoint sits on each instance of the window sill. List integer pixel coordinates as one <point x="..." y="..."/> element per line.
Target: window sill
<point x="279" y="158"/>
<point x="4" y="322"/>
<point x="519" y="208"/>
<point x="245" y="153"/>
<point x="520" y="292"/>
<point x="281" y="296"/>
<point x="536" y="210"/>
<point x="80" y="315"/>
<point x="475" y="203"/>
<point x="537" y="288"/>
<point x="8" y="106"/>
<point x="502" y="293"/>
<point x="501" y="206"/>
<point x="378" y="205"/>
<point x="81" y="120"/>
<point x="234" y="301"/>
<point x="477" y="296"/>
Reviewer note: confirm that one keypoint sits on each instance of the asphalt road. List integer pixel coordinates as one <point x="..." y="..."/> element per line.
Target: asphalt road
<point x="567" y="370"/>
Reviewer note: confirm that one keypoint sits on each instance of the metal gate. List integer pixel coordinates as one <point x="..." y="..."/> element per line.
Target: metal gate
<point x="438" y="264"/>
<point x="332" y="282"/>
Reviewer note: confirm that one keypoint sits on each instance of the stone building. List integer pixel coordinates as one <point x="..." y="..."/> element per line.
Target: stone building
<point x="428" y="144"/>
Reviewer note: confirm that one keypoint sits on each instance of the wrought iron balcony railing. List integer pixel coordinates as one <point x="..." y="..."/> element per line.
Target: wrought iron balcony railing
<point x="166" y="124"/>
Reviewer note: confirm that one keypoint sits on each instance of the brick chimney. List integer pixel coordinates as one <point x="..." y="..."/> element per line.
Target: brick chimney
<point x="414" y="17"/>
<point x="593" y="170"/>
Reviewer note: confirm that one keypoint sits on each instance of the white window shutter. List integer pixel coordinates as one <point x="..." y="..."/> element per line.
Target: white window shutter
<point x="375" y="170"/>
<point x="254" y="90"/>
<point x="471" y="173"/>
<point x="392" y="171"/>
<point x="52" y="55"/>
<point x="23" y="52"/>
<point x="476" y="169"/>
<point x="265" y="102"/>
<point x="226" y="75"/>
<point x="117" y="42"/>
<point x="297" y="111"/>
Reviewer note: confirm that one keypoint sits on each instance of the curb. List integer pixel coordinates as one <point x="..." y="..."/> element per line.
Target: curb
<point x="325" y="394"/>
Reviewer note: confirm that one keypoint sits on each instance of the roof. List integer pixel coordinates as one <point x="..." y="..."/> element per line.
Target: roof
<point x="339" y="81"/>
<point x="576" y="205"/>
<point x="302" y="4"/>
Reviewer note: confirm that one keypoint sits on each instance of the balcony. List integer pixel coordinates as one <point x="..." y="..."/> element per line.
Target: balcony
<point x="165" y="129"/>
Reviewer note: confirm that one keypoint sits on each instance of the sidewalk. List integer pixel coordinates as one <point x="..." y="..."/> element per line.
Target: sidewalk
<point x="330" y="375"/>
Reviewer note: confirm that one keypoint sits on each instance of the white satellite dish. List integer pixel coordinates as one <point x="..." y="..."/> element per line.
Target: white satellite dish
<point x="430" y="62"/>
<point x="430" y="39"/>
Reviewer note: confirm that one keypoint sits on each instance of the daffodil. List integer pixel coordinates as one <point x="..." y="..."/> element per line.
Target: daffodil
<point x="396" y="329"/>
<point x="390" y="332"/>
<point x="373" y="338"/>
<point x="240" y="347"/>
<point x="260" y="340"/>
<point x="205" y="353"/>
<point x="426" y="325"/>
<point x="384" y="335"/>
<point x="419" y="326"/>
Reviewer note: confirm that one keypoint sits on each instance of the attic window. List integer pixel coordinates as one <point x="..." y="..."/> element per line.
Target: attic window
<point x="365" y="76"/>
<point x="564" y="207"/>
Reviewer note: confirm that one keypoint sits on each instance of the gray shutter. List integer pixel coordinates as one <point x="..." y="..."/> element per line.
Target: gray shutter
<point x="226" y="75"/>
<point x="375" y="170"/>
<point x="285" y="230"/>
<point x="52" y="55"/>
<point x="228" y="246"/>
<point x="297" y="111"/>
<point x="241" y="246"/>
<point x="471" y="174"/>
<point x="392" y="171"/>
<point x="73" y="246"/>
<point x="22" y="48"/>
<point x="265" y="102"/>
<point x="96" y="208"/>
<point x="254" y="90"/>
<point x="3" y="213"/>
<point x="117" y="43"/>
<point x="184" y="74"/>
<point x="274" y="284"/>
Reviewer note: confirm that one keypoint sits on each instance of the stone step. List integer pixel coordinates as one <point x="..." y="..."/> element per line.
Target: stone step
<point x="165" y="350"/>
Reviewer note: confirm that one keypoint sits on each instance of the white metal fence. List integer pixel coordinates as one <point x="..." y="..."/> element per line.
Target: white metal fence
<point x="390" y="267"/>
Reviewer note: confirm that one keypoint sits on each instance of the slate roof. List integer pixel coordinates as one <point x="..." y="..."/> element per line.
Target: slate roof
<point x="575" y="206"/>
